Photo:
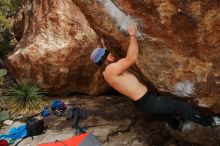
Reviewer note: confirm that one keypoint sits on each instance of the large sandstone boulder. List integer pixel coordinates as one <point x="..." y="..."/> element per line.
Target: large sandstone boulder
<point x="55" y="47"/>
<point x="178" y="41"/>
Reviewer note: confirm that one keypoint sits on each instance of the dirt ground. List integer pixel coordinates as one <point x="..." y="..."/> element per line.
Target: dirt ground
<point x="112" y="119"/>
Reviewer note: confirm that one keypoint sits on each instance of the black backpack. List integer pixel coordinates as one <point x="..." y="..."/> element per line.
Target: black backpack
<point x="77" y="114"/>
<point x="34" y="127"/>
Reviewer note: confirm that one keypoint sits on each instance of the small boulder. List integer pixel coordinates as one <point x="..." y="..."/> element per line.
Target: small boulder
<point x="8" y="122"/>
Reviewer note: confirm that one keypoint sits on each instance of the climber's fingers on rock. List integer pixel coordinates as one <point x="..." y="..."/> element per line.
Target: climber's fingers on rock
<point x="132" y="28"/>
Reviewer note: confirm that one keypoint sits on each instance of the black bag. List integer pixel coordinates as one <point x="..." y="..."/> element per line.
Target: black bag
<point x="34" y="127"/>
<point x="76" y="114"/>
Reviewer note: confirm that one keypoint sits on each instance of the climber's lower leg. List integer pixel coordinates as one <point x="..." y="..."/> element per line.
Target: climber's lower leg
<point x="155" y="103"/>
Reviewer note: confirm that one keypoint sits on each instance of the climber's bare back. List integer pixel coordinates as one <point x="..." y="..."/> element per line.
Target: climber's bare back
<point x="125" y="83"/>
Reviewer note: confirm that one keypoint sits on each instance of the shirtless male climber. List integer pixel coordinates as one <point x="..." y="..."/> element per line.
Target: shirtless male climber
<point x="117" y="76"/>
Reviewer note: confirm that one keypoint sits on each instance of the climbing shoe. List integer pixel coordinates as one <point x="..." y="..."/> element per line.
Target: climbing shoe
<point x="216" y="121"/>
<point x="59" y="113"/>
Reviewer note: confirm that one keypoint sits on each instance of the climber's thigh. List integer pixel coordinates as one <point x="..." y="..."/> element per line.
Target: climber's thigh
<point x="160" y="104"/>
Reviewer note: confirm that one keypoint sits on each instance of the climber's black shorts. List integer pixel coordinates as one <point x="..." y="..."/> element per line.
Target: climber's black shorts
<point x="159" y="104"/>
<point x="154" y="103"/>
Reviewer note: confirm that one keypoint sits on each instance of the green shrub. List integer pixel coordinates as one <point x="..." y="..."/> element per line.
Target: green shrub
<point x="24" y="98"/>
<point x="7" y="9"/>
<point x="10" y="7"/>
<point x="3" y="72"/>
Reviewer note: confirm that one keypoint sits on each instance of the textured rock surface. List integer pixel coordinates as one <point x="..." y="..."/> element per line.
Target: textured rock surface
<point x="54" y="49"/>
<point x="176" y="54"/>
<point x="179" y="45"/>
<point x="196" y="134"/>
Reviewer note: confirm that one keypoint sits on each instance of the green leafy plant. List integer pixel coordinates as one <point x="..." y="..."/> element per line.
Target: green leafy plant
<point x="8" y="8"/>
<point x="3" y="72"/>
<point x="24" y="98"/>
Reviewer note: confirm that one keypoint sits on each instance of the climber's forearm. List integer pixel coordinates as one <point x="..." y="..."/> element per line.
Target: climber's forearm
<point x="132" y="52"/>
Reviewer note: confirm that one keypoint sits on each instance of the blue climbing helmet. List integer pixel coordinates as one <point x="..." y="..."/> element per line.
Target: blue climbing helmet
<point x="99" y="55"/>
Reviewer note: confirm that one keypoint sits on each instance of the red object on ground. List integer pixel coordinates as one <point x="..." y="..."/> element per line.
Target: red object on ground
<point x="3" y="142"/>
<point x="85" y="139"/>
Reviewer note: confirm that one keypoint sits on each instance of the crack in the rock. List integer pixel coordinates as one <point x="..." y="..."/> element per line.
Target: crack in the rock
<point x="118" y="102"/>
<point x="118" y="6"/>
<point x="112" y="104"/>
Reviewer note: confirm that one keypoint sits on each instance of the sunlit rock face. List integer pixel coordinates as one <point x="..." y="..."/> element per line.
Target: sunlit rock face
<point x="55" y="47"/>
<point x="179" y="43"/>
